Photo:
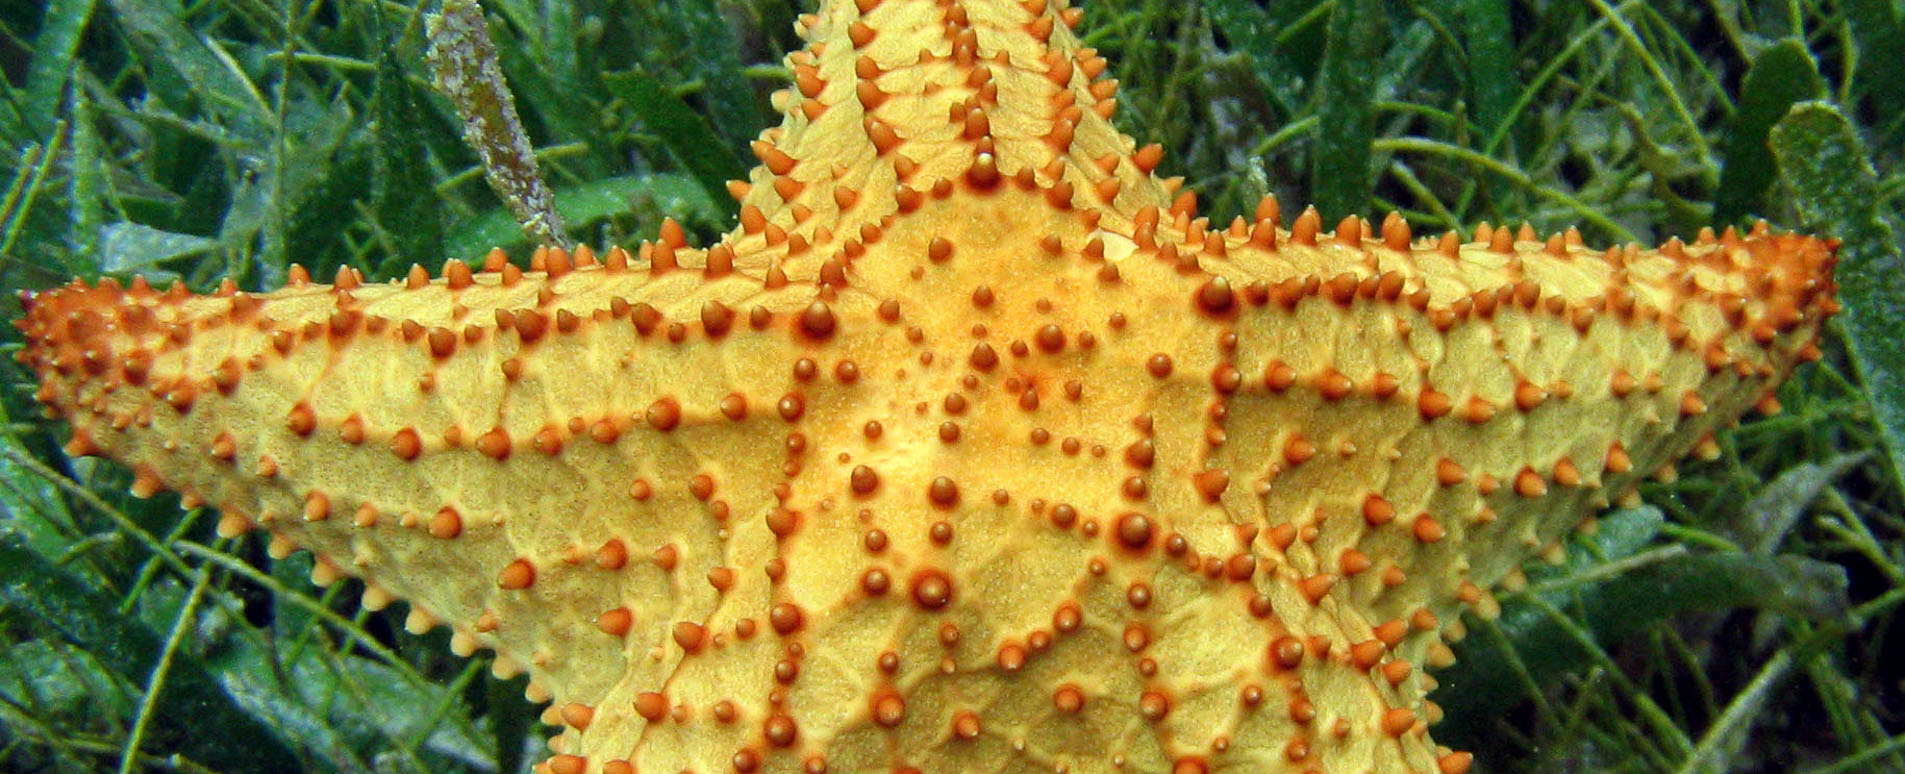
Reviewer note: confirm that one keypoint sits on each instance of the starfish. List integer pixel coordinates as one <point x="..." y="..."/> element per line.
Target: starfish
<point x="972" y="448"/>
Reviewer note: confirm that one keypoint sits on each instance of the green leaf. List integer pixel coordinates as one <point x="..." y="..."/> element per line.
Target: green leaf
<point x="688" y="137"/>
<point x="1252" y="31"/>
<point x="89" y="618"/>
<point x="127" y="246"/>
<point x="403" y="198"/>
<point x="1877" y="27"/>
<point x="53" y="51"/>
<point x="1345" y="93"/>
<point x="1492" y="85"/>
<point x="1781" y="76"/>
<point x="713" y="59"/>
<point x="588" y="204"/>
<point x="1824" y="163"/>
<point x="1763" y="523"/>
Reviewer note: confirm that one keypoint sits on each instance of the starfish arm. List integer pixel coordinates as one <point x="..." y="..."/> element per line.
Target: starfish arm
<point x="1483" y="398"/>
<point x="512" y="453"/>
<point x="895" y="101"/>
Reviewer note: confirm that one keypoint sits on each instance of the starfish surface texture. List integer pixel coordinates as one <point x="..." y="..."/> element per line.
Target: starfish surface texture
<point x="972" y="449"/>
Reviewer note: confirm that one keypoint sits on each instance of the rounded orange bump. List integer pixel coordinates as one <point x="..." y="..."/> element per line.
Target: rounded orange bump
<point x="1434" y="405"/>
<point x="1068" y="699"/>
<point x="1298" y="450"/>
<point x="791" y="406"/>
<point x="690" y="636"/>
<point x="651" y="706"/>
<point x="1315" y="587"/>
<point x="1691" y="404"/>
<point x="943" y="492"/>
<point x="1302" y="710"/>
<point x="1211" y="484"/>
<point x="932" y="589"/>
<point x="966" y="724"/>
<point x="518" y="575"/>
<point x="1428" y="530"/>
<point x="1159" y="365"/>
<point x="1366" y="654"/>
<point x="876" y="582"/>
<point x="1378" y="511"/>
<point x="578" y="716"/>
<point x="1478" y="411"/>
<point x="446" y="524"/>
<point x="785" y="617"/>
<point x="615" y="623"/>
<point x="817" y="320"/>
<point x="406" y="444"/>
<point x="548" y="441"/>
<point x="1148" y="157"/>
<point x="494" y="444"/>
<point x="1353" y="562"/>
<point x="1153" y="706"/>
<point x="863" y="480"/>
<point x="1134" y="530"/>
<point x="1011" y="658"/>
<point x="781" y="731"/>
<point x="1398" y="721"/>
<point x="1455" y="763"/>
<point x="888" y="709"/>
<point x="568" y="764"/>
<point x="1528" y="483"/>
<point x="612" y="555"/>
<point x="1215" y="296"/>
<point x="1566" y="474"/>
<point x="302" y="420"/>
<point x="1528" y="396"/>
<point x="1334" y="385"/>
<point x="1449" y="473"/>
<point x="1288" y="651"/>
<point x="1225" y="378"/>
<point x="1618" y="461"/>
<point x="317" y="507"/>
<point x="664" y="414"/>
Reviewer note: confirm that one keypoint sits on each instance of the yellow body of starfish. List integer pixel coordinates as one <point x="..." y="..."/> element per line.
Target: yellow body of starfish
<point x="971" y="450"/>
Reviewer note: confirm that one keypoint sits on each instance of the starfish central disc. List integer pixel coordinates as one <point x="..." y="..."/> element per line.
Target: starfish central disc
<point x="971" y="449"/>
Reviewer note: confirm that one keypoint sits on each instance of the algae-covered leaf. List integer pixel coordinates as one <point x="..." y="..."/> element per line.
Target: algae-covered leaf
<point x="1824" y="163"/>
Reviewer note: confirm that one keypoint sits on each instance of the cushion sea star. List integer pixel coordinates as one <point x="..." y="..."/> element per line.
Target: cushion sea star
<point x="971" y="449"/>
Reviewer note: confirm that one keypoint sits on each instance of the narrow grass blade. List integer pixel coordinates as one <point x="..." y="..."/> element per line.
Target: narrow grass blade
<point x="1339" y="171"/>
<point x="1781" y="76"/>
<point x="1824" y="163"/>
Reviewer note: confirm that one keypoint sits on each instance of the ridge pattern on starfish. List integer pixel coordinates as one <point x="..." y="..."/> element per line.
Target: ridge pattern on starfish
<point x="972" y="448"/>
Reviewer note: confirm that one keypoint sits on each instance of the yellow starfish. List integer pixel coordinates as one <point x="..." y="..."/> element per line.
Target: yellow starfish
<point x="972" y="449"/>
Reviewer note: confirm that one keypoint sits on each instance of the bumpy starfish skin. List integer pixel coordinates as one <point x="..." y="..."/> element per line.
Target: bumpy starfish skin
<point x="970" y="450"/>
